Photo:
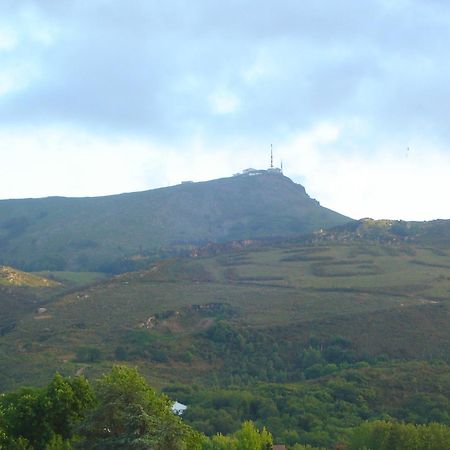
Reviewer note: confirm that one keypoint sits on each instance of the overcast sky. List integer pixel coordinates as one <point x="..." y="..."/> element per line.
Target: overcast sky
<point x="105" y="96"/>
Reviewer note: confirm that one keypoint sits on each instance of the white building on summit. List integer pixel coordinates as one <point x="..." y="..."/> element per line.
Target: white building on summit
<point x="272" y="170"/>
<point x="250" y="172"/>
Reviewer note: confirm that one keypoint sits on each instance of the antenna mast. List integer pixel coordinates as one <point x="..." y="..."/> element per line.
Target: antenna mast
<point x="271" y="157"/>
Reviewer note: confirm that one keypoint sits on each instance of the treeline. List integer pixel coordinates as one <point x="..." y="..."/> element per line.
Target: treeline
<point x="320" y="412"/>
<point x="310" y="392"/>
<point x="277" y="355"/>
<point x="121" y="411"/>
<point x="316" y="414"/>
<point x="247" y="355"/>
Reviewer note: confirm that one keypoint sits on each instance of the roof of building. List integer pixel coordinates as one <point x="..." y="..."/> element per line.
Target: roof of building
<point x="178" y="408"/>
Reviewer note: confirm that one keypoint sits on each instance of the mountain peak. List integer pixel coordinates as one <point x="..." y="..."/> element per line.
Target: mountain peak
<point x="92" y="233"/>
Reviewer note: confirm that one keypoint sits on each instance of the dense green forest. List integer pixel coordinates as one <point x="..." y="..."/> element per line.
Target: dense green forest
<point x="120" y="410"/>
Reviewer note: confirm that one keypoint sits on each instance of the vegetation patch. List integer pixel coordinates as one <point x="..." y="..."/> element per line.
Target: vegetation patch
<point x="429" y="264"/>
<point x="306" y="258"/>
<point x="13" y="277"/>
<point x="345" y="269"/>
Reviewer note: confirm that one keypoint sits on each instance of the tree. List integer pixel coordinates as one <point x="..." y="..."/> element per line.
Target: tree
<point x="33" y="417"/>
<point x="66" y="401"/>
<point x="130" y="414"/>
<point x="23" y="418"/>
<point x="249" y="438"/>
<point x="381" y="435"/>
<point x="58" y="443"/>
<point x="220" y="442"/>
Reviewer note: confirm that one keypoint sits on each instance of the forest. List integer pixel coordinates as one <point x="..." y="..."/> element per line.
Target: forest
<point x="120" y="410"/>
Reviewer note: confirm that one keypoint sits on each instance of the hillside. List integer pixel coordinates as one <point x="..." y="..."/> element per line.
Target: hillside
<point x="383" y="299"/>
<point x="13" y="277"/>
<point x="307" y="339"/>
<point x="435" y="233"/>
<point x="114" y="233"/>
<point x="23" y="293"/>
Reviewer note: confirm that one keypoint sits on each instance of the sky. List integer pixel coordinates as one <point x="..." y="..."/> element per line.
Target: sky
<point x="100" y="97"/>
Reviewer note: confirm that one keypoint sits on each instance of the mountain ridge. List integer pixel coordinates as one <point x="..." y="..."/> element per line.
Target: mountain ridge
<point x="93" y="232"/>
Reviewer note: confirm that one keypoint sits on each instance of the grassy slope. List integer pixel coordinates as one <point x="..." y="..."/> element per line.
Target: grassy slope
<point x="22" y="293"/>
<point x="386" y="299"/>
<point x="13" y="277"/>
<point x="88" y="232"/>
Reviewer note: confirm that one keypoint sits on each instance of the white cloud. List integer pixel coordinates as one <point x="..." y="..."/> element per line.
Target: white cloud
<point x="223" y="101"/>
<point x="8" y="38"/>
<point x="48" y="161"/>
<point x="392" y="182"/>
<point x="68" y="161"/>
<point x="17" y="76"/>
<point x="36" y="27"/>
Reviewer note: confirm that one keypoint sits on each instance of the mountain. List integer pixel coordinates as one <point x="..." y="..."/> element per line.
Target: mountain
<point x="100" y="232"/>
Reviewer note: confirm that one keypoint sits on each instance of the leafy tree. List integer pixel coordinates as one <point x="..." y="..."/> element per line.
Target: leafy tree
<point x="23" y="417"/>
<point x="35" y="416"/>
<point x="381" y="435"/>
<point x="426" y="408"/>
<point x="9" y="443"/>
<point x="220" y="442"/>
<point x="58" y="443"/>
<point x="311" y="356"/>
<point x="221" y="332"/>
<point x="66" y="400"/>
<point x="249" y="438"/>
<point x="435" y="435"/>
<point x="130" y="414"/>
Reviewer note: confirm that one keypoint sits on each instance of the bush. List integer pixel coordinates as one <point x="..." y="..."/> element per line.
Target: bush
<point x="88" y="354"/>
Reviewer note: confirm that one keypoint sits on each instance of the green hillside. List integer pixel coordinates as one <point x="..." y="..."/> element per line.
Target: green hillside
<point x="307" y="339"/>
<point x="116" y="233"/>
<point x="23" y="293"/>
<point x="387" y="300"/>
<point x="13" y="277"/>
<point x="435" y="233"/>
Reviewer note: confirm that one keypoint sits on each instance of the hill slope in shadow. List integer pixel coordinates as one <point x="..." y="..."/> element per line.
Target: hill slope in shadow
<point x="90" y="233"/>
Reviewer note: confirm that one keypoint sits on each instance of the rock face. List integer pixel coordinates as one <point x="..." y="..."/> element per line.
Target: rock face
<point x="88" y="233"/>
